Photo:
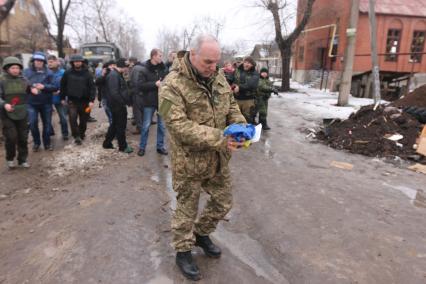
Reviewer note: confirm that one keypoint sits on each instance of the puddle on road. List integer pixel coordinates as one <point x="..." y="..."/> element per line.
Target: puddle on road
<point x="166" y="176"/>
<point x="155" y="259"/>
<point x="250" y="252"/>
<point x="417" y="197"/>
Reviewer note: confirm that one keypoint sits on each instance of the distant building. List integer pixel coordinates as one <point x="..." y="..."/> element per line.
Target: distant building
<point x="23" y="31"/>
<point x="401" y="31"/>
<point x="268" y="55"/>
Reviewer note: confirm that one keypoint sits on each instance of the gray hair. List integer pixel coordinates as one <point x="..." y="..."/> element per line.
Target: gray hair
<point x="199" y="40"/>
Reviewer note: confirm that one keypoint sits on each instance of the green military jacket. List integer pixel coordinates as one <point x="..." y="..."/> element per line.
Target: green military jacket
<point x="196" y="116"/>
<point x="13" y="90"/>
<point x="265" y="88"/>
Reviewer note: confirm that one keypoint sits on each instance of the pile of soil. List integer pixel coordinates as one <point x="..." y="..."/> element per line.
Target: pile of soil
<point x="417" y="98"/>
<point x="365" y="132"/>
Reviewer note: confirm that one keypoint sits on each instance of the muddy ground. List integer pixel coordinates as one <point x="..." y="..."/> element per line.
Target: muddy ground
<point x="105" y="217"/>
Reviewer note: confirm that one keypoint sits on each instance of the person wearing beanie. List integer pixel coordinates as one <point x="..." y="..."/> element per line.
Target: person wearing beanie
<point x="14" y="111"/>
<point x="100" y="83"/>
<point x="117" y="95"/>
<point x="244" y="86"/>
<point x="264" y="90"/>
<point x="78" y="91"/>
<point x="40" y="102"/>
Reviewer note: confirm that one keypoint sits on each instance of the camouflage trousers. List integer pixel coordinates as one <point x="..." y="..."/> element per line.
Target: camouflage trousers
<point x="185" y="222"/>
<point x="247" y="108"/>
<point x="262" y="107"/>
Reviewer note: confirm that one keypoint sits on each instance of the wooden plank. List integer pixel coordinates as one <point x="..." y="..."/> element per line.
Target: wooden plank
<point x="418" y="168"/>
<point x="342" y="165"/>
<point x="421" y="147"/>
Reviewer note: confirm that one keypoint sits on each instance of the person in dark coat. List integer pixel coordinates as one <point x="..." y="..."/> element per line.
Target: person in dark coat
<point x="40" y="102"/>
<point x="78" y="91"/>
<point x="244" y="86"/>
<point x="150" y="77"/>
<point x="101" y="85"/>
<point x="135" y="70"/>
<point x="117" y="95"/>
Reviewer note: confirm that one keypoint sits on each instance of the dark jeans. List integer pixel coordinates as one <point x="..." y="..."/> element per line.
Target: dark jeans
<point x="16" y="134"/>
<point x="45" y="111"/>
<point x="107" y="110"/>
<point x="78" y="118"/>
<point x="62" y="113"/>
<point x="117" y="129"/>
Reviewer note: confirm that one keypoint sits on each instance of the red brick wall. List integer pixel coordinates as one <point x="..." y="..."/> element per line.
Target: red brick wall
<point x="327" y="12"/>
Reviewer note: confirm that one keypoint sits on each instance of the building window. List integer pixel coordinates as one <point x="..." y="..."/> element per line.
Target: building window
<point x="301" y="53"/>
<point x="393" y="44"/>
<point x="417" y="45"/>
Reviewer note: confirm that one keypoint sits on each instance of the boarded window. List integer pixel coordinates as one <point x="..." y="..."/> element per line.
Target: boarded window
<point x="417" y="46"/>
<point x="393" y="44"/>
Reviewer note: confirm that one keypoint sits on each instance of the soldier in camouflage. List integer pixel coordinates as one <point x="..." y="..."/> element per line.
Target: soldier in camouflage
<point x="264" y="90"/>
<point x="196" y="103"/>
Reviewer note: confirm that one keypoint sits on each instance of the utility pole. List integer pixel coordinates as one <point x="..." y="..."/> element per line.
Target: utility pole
<point x="374" y="57"/>
<point x="345" y="86"/>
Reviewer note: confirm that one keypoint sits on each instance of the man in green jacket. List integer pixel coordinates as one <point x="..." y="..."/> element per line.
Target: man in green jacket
<point x="264" y="90"/>
<point x="196" y="104"/>
<point x="13" y="111"/>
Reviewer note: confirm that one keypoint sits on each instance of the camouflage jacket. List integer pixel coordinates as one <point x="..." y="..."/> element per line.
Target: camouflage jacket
<point x="265" y="88"/>
<point x="195" y="115"/>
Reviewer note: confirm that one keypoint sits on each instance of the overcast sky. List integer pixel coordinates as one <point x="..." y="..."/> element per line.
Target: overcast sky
<point x="241" y="21"/>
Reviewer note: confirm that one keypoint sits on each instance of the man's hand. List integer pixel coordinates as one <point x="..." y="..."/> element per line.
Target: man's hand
<point x="158" y="83"/>
<point x="39" y="86"/>
<point x="236" y="89"/>
<point x="91" y="104"/>
<point x="34" y="91"/>
<point x="234" y="145"/>
<point x="64" y="102"/>
<point x="8" y="107"/>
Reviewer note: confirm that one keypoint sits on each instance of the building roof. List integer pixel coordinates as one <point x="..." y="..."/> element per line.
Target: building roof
<point x="413" y="8"/>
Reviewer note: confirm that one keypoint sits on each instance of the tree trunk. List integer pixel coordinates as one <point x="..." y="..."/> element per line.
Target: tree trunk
<point x="285" y="71"/>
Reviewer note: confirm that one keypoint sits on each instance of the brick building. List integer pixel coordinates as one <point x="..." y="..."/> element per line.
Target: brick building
<point x="23" y="30"/>
<point x="401" y="31"/>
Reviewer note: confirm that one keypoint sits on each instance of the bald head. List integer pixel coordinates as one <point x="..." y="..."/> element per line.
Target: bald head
<point x="205" y="55"/>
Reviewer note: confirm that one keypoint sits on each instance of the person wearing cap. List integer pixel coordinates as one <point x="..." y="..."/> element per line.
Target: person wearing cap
<point x="54" y="65"/>
<point x="117" y="95"/>
<point x="78" y="91"/>
<point x="40" y="102"/>
<point x="264" y="90"/>
<point x="100" y="83"/>
<point x="14" y="111"/>
<point x="244" y="86"/>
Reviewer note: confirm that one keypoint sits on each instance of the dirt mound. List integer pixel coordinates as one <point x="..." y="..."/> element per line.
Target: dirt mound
<point x="367" y="131"/>
<point x="416" y="98"/>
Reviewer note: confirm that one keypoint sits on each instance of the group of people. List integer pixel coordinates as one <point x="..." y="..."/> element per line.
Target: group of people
<point x="191" y="96"/>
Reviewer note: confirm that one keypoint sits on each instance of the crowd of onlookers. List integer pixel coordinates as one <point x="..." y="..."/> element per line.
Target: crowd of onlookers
<point x="71" y="88"/>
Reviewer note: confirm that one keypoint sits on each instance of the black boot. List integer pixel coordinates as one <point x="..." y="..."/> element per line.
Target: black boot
<point x="187" y="265"/>
<point x="209" y="248"/>
<point x="265" y="125"/>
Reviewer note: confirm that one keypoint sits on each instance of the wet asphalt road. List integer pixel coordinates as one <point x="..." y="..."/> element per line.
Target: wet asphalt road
<point x="296" y="219"/>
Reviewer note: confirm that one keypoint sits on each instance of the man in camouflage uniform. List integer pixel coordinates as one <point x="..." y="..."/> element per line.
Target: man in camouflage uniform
<point x="197" y="104"/>
<point x="264" y="90"/>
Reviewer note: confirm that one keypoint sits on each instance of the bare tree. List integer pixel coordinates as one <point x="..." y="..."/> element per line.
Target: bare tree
<point x="284" y="40"/>
<point x="104" y="23"/>
<point x="60" y="11"/>
<point x="168" y="40"/>
<point x="30" y="37"/>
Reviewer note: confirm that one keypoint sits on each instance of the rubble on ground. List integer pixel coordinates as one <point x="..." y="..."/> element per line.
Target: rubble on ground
<point x="417" y="98"/>
<point x="384" y="132"/>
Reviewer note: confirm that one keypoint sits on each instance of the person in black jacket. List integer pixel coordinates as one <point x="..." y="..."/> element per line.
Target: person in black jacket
<point x="117" y="95"/>
<point x="78" y="90"/>
<point x="150" y="77"/>
<point x="100" y="83"/>
<point x="244" y="86"/>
